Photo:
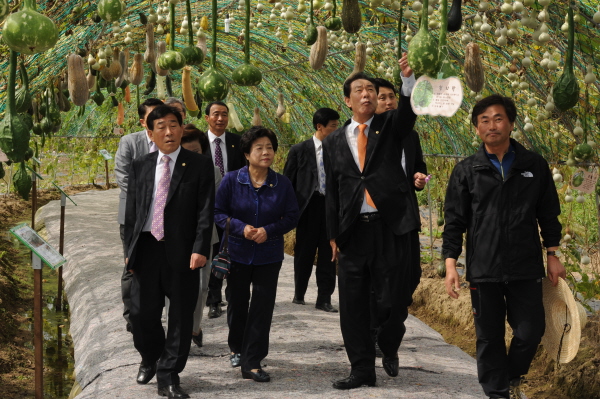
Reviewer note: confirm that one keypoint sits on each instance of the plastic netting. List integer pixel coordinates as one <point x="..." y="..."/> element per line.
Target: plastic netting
<point x="285" y="67"/>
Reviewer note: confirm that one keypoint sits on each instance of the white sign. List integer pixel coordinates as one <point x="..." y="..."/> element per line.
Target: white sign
<point x="105" y="154"/>
<point x="584" y="181"/>
<point x="436" y="96"/>
<point x="38" y="245"/>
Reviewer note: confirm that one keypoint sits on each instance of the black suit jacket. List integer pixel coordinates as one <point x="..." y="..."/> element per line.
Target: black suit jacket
<point x="188" y="212"/>
<point x="235" y="157"/>
<point x="414" y="157"/>
<point x="301" y="169"/>
<point x="383" y="175"/>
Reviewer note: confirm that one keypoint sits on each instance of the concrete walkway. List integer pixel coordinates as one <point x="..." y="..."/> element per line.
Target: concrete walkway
<point x="306" y="350"/>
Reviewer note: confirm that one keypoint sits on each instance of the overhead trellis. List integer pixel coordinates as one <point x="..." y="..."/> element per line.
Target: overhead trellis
<point x="285" y="67"/>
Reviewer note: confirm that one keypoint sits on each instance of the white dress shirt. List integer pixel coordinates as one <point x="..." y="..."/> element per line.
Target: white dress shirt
<point x="352" y="133"/>
<point x="211" y="139"/>
<point x="320" y="172"/>
<point x="157" y="175"/>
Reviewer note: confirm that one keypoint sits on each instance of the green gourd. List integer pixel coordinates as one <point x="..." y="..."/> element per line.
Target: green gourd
<point x="311" y="30"/>
<point x="566" y="90"/>
<point x="14" y="133"/>
<point x="423" y="51"/>
<point x="193" y="55"/>
<point x="446" y="67"/>
<point x="4" y="9"/>
<point x="29" y="32"/>
<point x="22" y="181"/>
<point x="172" y="59"/>
<point x="351" y="16"/>
<point x="334" y="23"/>
<point x="110" y="10"/>
<point x="454" y="16"/>
<point x="22" y="96"/>
<point x="247" y="74"/>
<point x="213" y="84"/>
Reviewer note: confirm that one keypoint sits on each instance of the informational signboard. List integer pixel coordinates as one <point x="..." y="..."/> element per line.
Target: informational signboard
<point x="38" y="245"/>
<point x="106" y="155"/>
<point x="584" y="181"/>
<point x="34" y="172"/>
<point x="435" y="97"/>
<point x="63" y="193"/>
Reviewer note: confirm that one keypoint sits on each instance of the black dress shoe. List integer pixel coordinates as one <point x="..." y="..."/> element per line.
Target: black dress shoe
<point x="146" y="373"/>
<point x="390" y="365"/>
<point x="215" y="311"/>
<point x="298" y="301"/>
<point x="235" y="358"/>
<point x="197" y="339"/>
<point x="259" y="376"/>
<point x="354" y="382"/>
<point x="172" y="391"/>
<point x="326" y="306"/>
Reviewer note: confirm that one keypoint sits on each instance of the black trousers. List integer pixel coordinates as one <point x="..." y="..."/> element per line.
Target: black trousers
<point x="373" y="258"/>
<point x="519" y="302"/>
<point x="415" y="277"/>
<point x="311" y="236"/>
<point x="125" y="281"/>
<point x="250" y="320"/>
<point x="153" y="279"/>
<point x="215" y="285"/>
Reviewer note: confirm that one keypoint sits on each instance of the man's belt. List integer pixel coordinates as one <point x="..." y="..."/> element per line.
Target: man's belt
<point x="369" y="217"/>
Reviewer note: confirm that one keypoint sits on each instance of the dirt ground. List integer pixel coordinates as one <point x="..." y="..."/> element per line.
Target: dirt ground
<point x="16" y="297"/>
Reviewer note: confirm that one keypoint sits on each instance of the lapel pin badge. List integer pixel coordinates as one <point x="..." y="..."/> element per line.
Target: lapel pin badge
<point x="270" y="185"/>
<point x="377" y="132"/>
<point x="183" y="164"/>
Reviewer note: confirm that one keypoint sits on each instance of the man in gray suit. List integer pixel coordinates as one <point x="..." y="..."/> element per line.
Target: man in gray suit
<point x="131" y="146"/>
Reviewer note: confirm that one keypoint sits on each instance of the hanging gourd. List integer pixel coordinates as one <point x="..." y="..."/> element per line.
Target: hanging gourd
<point x="566" y="89"/>
<point x="318" y="51"/>
<point x="474" y="73"/>
<point x="213" y="85"/>
<point x="161" y="48"/>
<point x="22" y="96"/>
<point x="186" y="90"/>
<point x="29" y="32"/>
<point x="247" y="74"/>
<point x="454" y="16"/>
<point x="334" y="23"/>
<point x="193" y="55"/>
<point x="172" y="59"/>
<point x="110" y="10"/>
<point x="79" y="91"/>
<point x="311" y="29"/>
<point x="14" y="134"/>
<point x="4" y="9"/>
<point x="423" y="51"/>
<point x="351" y="16"/>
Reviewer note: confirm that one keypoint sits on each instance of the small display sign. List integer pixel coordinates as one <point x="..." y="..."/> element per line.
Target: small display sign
<point x="435" y="97"/>
<point x="106" y="155"/>
<point x="38" y="245"/>
<point x="584" y="181"/>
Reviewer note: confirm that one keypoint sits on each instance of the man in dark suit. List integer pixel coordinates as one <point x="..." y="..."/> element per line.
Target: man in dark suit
<point x="305" y="169"/>
<point x="370" y="216"/>
<point x="168" y="228"/>
<point x="224" y="149"/>
<point x="130" y="147"/>
<point x="413" y="165"/>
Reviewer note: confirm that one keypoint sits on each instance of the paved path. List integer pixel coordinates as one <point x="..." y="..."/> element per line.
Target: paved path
<point x="306" y="351"/>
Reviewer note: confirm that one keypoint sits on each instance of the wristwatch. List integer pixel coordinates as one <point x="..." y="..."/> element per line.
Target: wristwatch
<point x="552" y="253"/>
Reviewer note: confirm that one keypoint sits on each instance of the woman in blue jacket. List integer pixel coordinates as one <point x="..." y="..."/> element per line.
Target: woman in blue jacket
<point x="262" y="206"/>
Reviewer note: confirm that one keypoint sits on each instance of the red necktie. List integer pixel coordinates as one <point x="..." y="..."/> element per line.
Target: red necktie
<point x="362" y="152"/>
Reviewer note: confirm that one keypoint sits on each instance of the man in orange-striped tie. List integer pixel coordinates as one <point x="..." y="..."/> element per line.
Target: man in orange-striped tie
<point x="371" y="215"/>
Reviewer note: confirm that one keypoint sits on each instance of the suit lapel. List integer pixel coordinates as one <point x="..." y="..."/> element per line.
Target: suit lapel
<point x="344" y="147"/>
<point x="149" y="176"/>
<point x="178" y="172"/>
<point x="374" y="132"/>
<point x="309" y="151"/>
<point x="142" y="144"/>
<point x="231" y="151"/>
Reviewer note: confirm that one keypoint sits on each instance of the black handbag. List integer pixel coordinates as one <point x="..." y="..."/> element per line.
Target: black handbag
<point x="221" y="263"/>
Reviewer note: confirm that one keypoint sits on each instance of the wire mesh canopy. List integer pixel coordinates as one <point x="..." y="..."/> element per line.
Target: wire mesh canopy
<point x="279" y="50"/>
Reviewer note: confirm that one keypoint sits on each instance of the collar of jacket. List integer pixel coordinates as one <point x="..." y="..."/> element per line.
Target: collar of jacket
<point x="523" y="157"/>
<point x="244" y="177"/>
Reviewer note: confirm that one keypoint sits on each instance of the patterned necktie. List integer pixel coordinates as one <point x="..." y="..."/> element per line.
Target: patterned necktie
<point x="321" y="171"/>
<point x="219" y="156"/>
<point x="158" y="218"/>
<point x="153" y="147"/>
<point x="362" y="153"/>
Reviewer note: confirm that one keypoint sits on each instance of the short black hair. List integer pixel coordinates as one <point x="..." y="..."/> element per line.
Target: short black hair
<point x="191" y="133"/>
<point x="150" y="102"/>
<point x="357" y="76"/>
<point x="254" y="133"/>
<point x="207" y="109"/>
<point x="380" y="82"/>
<point x="494" y="99"/>
<point x="324" y="115"/>
<point x="160" y="112"/>
<point x="173" y="100"/>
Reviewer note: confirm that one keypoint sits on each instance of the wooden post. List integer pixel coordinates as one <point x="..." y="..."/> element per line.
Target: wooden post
<point x="106" y="166"/>
<point x="33" y="197"/>
<point x="38" y="332"/>
<point x="430" y="224"/>
<point x="61" y="246"/>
